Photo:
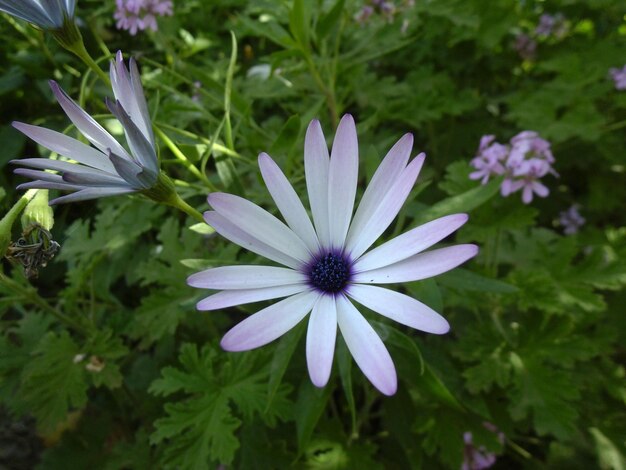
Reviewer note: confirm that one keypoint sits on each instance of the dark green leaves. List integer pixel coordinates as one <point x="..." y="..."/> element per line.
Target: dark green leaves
<point x="202" y="427"/>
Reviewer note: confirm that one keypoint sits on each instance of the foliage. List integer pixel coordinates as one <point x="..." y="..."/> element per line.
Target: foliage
<point x="106" y="351"/>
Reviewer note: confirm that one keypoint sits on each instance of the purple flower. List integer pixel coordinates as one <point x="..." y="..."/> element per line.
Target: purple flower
<point x="525" y="46"/>
<point x="477" y="458"/>
<point x="489" y="160"/>
<point x="523" y="162"/>
<point x="571" y="220"/>
<point x="619" y="77"/>
<point x="328" y="264"/>
<point x="364" y="14"/>
<point x="528" y="173"/>
<point x="551" y="25"/>
<point x="47" y="14"/>
<point x="108" y="169"/>
<point x="138" y="15"/>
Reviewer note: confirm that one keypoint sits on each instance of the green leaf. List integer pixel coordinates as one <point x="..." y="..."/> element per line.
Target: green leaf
<point x="160" y="313"/>
<point x="344" y="360"/>
<point x="464" y="202"/>
<point x="609" y="455"/>
<point x="280" y="360"/>
<point x="200" y="428"/>
<point x="328" y="21"/>
<point x="299" y="22"/>
<point x="53" y="382"/>
<point x="202" y="229"/>
<point x="309" y="408"/>
<point x="545" y="393"/>
<point x="287" y="138"/>
<point x="463" y="279"/>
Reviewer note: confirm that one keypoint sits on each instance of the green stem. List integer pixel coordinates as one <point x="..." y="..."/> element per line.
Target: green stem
<point x="187" y="209"/>
<point x="181" y="156"/>
<point x="32" y="297"/>
<point x="78" y="48"/>
<point x="218" y="147"/>
<point x="330" y="96"/>
<point x="228" y="130"/>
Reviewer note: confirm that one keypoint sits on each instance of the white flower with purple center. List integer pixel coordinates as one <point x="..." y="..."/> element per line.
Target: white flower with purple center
<point x="138" y="15"/>
<point x="107" y="168"/>
<point x="619" y="77"/>
<point x="47" y="14"/>
<point x="327" y="262"/>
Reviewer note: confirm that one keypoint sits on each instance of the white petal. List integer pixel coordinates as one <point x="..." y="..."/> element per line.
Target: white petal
<point x="386" y="175"/>
<point x="410" y="243"/>
<point x="128" y="91"/>
<point x="245" y="277"/>
<point x="288" y="202"/>
<point x="230" y="298"/>
<point x="232" y="232"/>
<point x="270" y="323"/>
<point x="64" y="166"/>
<point x="90" y="193"/>
<point x="260" y="224"/>
<point x="93" y="131"/>
<point x="342" y="181"/>
<point x="400" y="308"/>
<point x="366" y="347"/>
<point x="421" y="266"/>
<point x="320" y="340"/>
<point x="316" y="164"/>
<point x="386" y="210"/>
<point x="66" y="146"/>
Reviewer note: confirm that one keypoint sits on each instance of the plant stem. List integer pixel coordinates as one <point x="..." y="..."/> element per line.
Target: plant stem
<point x="80" y="51"/>
<point x="31" y="296"/>
<point x="218" y="147"/>
<point x="181" y="156"/>
<point x="187" y="209"/>
<point x="330" y="96"/>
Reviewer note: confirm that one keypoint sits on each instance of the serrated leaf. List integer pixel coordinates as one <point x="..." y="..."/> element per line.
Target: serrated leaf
<point x="545" y="393"/>
<point x="200" y="428"/>
<point x="53" y="383"/>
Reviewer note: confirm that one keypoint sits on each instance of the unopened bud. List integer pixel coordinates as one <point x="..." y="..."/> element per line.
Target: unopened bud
<point x="38" y="212"/>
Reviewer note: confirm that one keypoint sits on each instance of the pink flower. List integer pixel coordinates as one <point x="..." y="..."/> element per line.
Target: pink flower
<point x="489" y="160"/>
<point x="619" y="77"/>
<point x="138" y="15"/>
<point x="523" y="162"/>
<point x="571" y="220"/>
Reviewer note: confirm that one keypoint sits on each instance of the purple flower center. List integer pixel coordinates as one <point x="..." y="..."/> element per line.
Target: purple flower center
<point x="330" y="273"/>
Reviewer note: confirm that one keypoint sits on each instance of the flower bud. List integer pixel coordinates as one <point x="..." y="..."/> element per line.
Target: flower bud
<point x="38" y="212"/>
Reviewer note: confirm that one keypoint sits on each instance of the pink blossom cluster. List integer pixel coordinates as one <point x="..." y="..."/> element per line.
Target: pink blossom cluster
<point x="552" y="25"/>
<point x="571" y="220"/>
<point x="619" y="77"/>
<point x="138" y="15"/>
<point x="385" y="9"/>
<point x="523" y="162"/>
